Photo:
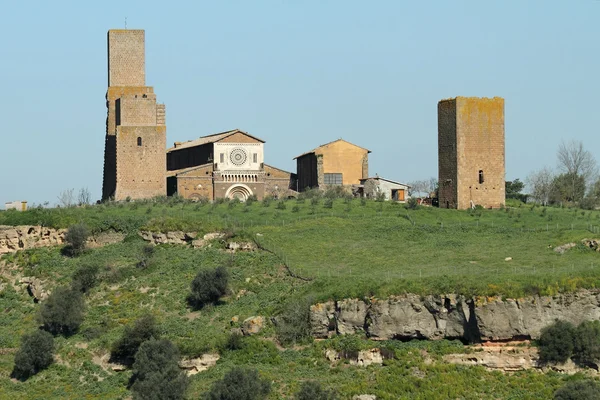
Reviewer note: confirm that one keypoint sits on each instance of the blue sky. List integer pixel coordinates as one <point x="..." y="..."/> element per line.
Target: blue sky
<point x="296" y="74"/>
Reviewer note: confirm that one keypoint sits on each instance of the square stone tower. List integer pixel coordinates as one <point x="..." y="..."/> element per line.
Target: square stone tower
<point x="471" y="152"/>
<point x="135" y="143"/>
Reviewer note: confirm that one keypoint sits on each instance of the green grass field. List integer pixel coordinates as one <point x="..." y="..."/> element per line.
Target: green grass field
<point x="347" y="250"/>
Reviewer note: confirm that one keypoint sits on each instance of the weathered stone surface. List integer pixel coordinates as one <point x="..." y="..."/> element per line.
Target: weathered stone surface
<point x="34" y="288"/>
<point x="364" y="397"/>
<point x="176" y="237"/>
<point x="351" y="315"/>
<point x="195" y="365"/>
<point x="561" y="249"/>
<point x="23" y="237"/>
<point x="252" y="325"/>
<point x="453" y="317"/>
<point x="320" y="316"/>
<point x="402" y="317"/>
<point x="213" y="236"/>
<point x="241" y="246"/>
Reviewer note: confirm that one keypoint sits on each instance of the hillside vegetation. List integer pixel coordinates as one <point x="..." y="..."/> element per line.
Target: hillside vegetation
<point x="333" y="249"/>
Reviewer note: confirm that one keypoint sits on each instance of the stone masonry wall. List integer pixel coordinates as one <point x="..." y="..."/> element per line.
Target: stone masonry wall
<point x="447" y="163"/>
<point x="126" y="59"/>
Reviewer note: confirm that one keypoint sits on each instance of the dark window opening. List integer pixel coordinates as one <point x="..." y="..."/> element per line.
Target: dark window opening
<point x="255" y="158"/>
<point x="222" y="158"/>
<point x="139" y="141"/>
<point x="333" y="179"/>
<point x="481" y="180"/>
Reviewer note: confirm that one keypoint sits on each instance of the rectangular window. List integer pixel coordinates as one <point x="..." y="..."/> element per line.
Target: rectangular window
<point x="481" y="180"/>
<point x="222" y="158"/>
<point x="254" y="158"/>
<point x="333" y="179"/>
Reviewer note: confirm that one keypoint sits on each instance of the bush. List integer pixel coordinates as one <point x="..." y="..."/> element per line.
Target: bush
<point x="208" y="287"/>
<point x="156" y="373"/>
<point x="239" y="384"/>
<point x="281" y="205"/>
<point x="234" y="341"/>
<point x="85" y="278"/>
<point x="293" y="325"/>
<point x="76" y="238"/>
<point x="34" y="355"/>
<point x="146" y="256"/>
<point x="62" y="312"/>
<point x="328" y="203"/>
<point x="124" y="349"/>
<point x="556" y="342"/>
<point x="311" y="390"/>
<point x="587" y="342"/>
<point x="412" y="203"/>
<point x="578" y="390"/>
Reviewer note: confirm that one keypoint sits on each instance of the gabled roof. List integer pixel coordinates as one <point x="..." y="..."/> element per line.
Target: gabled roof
<point x="387" y="180"/>
<point x="327" y="144"/>
<point x="182" y="171"/>
<point x="216" y="137"/>
<point x="279" y="169"/>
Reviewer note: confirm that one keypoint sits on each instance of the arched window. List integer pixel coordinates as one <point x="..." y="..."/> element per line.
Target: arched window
<point x="480" y="176"/>
<point x="139" y="141"/>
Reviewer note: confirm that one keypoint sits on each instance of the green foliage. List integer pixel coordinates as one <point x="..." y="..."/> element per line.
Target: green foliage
<point x="146" y="256"/>
<point x="587" y="342"/>
<point x="578" y="390"/>
<point x="208" y="286"/>
<point x="34" y="355"/>
<point x="235" y="341"/>
<point x="412" y="203"/>
<point x="337" y="192"/>
<point x="513" y="190"/>
<point x="312" y="390"/>
<point x="281" y="205"/>
<point x="124" y="349"/>
<point x="76" y="238"/>
<point x="85" y="278"/>
<point x="328" y="203"/>
<point x="556" y="342"/>
<point x="156" y="373"/>
<point x="568" y="187"/>
<point x="293" y="324"/>
<point x="62" y="311"/>
<point x="239" y="384"/>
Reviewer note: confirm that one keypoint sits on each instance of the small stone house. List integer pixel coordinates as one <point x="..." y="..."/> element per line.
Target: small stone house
<point x="16" y="205"/>
<point x="224" y="165"/>
<point x="392" y="190"/>
<point x="334" y="163"/>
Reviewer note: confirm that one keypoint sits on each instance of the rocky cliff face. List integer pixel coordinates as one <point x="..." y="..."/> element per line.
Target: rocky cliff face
<point x="452" y="317"/>
<point x="13" y="238"/>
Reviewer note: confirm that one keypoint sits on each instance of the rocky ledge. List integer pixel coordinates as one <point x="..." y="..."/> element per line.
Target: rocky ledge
<point x="471" y="320"/>
<point x="14" y="238"/>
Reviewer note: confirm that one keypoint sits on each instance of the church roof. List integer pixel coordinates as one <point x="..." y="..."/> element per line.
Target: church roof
<point x="383" y="179"/>
<point x="216" y="137"/>
<point x="327" y="144"/>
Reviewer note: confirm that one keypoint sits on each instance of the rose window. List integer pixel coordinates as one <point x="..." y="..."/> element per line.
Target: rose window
<point x="238" y="156"/>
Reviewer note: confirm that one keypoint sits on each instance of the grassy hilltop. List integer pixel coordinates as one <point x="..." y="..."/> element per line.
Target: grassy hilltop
<point x="343" y="248"/>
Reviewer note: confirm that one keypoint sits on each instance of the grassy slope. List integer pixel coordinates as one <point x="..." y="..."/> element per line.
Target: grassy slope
<point x="363" y="255"/>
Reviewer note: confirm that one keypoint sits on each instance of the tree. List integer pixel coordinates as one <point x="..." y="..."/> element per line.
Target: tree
<point x="557" y="342"/>
<point x="62" y="312"/>
<point x="76" y="238"/>
<point x="66" y="198"/>
<point x="575" y="162"/>
<point x="513" y="190"/>
<point x="34" y="355"/>
<point x="85" y="197"/>
<point x="240" y="384"/>
<point x="541" y="184"/>
<point x="587" y="342"/>
<point x="578" y="390"/>
<point x="311" y="390"/>
<point x="124" y="349"/>
<point x="293" y="325"/>
<point x="208" y="286"/>
<point x="156" y="373"/>
<point x="85" y="278"/>
<point x="568" y="188"/>
<point x="419" y="187"/>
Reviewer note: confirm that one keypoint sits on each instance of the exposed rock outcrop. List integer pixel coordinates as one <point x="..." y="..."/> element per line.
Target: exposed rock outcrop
<point x="14" y="238"/>
<point x="177" y="237"/>
<point x="252" y="325"/>
<point x="195" y="365"/>
<point x="452" y="317"/>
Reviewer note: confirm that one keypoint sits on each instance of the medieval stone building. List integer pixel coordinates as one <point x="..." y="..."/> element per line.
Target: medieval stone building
<point x="334" y="163"/>
<point x="135" y="142"/>
<point x="224" y="165"/>
<point x="471" y="152"/>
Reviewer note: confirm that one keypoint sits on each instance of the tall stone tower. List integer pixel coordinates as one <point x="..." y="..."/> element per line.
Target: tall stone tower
<point x="471" y="152"/>
<point x="135" y="144"/>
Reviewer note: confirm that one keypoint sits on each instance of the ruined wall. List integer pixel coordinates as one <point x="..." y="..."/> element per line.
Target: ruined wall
<point x="279" y="183"/>
<point x="306" y="168"/>
<point x="126" y="60"/>
<point x="471" y="143"/>
<point x="141" y="169"/>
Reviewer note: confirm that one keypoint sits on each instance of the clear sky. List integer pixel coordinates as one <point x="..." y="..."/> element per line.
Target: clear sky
<point x="296" y="74"/>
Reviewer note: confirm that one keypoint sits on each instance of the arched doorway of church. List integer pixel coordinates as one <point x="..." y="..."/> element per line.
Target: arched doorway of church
<point x="240" y="192"/>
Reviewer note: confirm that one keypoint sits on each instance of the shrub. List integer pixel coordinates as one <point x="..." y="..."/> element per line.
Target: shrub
<point x="76" y="238"/>
<point x="266" y="202"/>
<point x="62" y="312"/>
<point x="34" y="355"/>
<point x="412" y="203"/>
<point x="208" y="287"/>
<point x="380" y="197"/>
<point x="234" y="341"/>
<point x="146" y="256"/>
<point x="587" y="342"/>
<point x="578" y="390"/>
<point x="238" y="384"/>
<point x="293" y="325"/>
<point x="156" y="373"/>
<point x="124" y="349"/>
<point x="328" y="203"/>
<point x="337" y="192"/>
<point x="85" y="278"/>
<point x="311" y="390"/>
<point x="281" y="205"/>
<point x="295" y="209"/>
<point x="556" y="342"/>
